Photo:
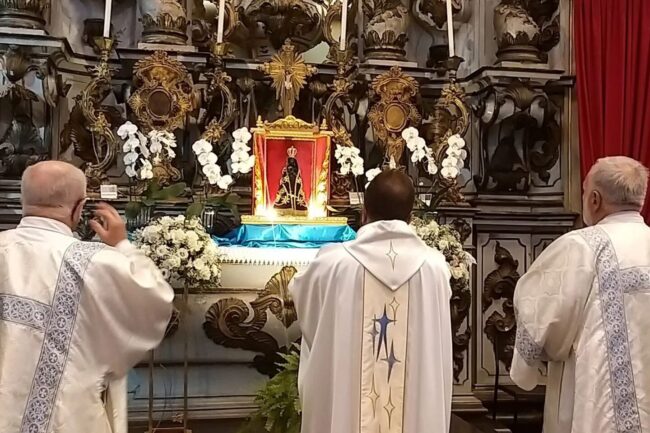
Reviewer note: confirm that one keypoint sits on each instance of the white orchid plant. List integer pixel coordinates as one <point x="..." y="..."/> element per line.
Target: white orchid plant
<point x="445" y="173"/>
<point x="141" y="153"/>
<point x="241" y="161"/>
<point x="349" y="160"/>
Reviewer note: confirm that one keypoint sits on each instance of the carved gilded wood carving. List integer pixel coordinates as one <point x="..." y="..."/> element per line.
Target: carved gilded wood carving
<point x="233" y="323"/>
<point x="500" y="284"/>
<point x="394" y="111"/>
<point x="289" y="73"/>
<point x="163" y="94"/>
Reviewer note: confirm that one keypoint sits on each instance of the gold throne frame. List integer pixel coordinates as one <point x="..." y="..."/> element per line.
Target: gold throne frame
<point x="292" y="128"/>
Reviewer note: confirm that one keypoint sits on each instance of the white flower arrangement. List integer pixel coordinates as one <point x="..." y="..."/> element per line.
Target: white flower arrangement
<point x="452" y="164"/>
<point x="420" y="152"/>
<point x="138" y="149"/>
<point x="446" y="239"/>
<point x="455" y="160"/>
<point x="349" y="160"/>
<point x="162" y="144"/>
<point x="374" y="172"/>
<point x="182" y="249"/>
<point x="371" y="174"/>
<point x="241" y="161"/>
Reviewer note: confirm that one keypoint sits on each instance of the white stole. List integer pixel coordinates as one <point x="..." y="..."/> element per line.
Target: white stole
<point x="383" y="358"/>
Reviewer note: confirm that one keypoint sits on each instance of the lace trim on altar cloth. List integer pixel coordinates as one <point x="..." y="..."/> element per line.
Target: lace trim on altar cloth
<point x="614" y="283"/>
<point x="24" y="311"/>
<point x="527" y="348"/>
<point x="268" y="256"/>
<point x="58" y="334"/>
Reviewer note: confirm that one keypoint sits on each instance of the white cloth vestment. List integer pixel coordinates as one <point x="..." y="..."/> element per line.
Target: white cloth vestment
<point x="74" y="316"/>
<point x="584" y="307"/>
<point x="376" y="352"/>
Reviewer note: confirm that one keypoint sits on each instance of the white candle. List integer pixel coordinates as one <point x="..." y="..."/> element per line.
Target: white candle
<point x="107" y="18"/>
<point x="450" y="29"/>
<point x="222" y="13"/>
<point x="344" y="25"/>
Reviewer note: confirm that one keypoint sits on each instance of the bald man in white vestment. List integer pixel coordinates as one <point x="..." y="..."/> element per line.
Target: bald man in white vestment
<point x="584" y="307"/>
<point x="74" y="315"/>
<point x="376" y="350"/>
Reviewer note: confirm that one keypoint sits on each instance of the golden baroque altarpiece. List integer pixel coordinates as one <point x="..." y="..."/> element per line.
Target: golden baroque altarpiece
<point x="279" y="72"/>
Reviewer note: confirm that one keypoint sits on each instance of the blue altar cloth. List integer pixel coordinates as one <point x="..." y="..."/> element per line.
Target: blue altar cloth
<point x="286" y="236"/>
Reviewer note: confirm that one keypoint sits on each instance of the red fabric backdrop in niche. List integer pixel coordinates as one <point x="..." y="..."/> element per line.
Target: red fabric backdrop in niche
<point x="271" y="159"/>
<point x="612" y="40"/>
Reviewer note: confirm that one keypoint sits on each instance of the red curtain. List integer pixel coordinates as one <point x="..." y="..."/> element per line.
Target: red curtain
<point x="612" y="49"/>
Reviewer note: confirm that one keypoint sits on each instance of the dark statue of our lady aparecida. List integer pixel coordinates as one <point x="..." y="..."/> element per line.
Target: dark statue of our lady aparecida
<point x="290" y="198"/>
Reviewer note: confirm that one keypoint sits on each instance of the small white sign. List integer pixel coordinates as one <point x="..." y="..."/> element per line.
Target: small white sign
<point x="426" y="198"/>
<point x="108" y="192"/>
<point x="356" y="198"/>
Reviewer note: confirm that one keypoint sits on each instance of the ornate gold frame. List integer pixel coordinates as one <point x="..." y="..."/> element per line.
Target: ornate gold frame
<point x="395" y="110"/>
<point x="165" y="76"/>
<point x="291" y="128"/>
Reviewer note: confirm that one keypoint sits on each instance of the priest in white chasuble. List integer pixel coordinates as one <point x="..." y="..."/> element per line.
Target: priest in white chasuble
<point x="74" y="316"/>
<point x="376" y="352"/>
<point x="584" y="308"/>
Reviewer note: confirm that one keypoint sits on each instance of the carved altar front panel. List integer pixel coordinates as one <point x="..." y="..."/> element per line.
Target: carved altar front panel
<point x="502" y="259"/>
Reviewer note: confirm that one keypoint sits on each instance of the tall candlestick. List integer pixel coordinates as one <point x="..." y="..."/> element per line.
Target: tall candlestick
<point x="107" y="19"/>
<point x="344" y="24"/>
<point x="222" y="13"/>
<point x="450" y="29"/>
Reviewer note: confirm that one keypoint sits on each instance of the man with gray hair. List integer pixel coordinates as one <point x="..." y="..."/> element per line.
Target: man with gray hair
<point x="583" y="310"/>
<point x="74" y="316"/>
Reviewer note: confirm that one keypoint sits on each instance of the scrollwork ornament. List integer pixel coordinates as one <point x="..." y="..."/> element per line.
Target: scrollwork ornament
<point x="221" y="103"/>
<point x="340" y="97"/>
<point x="500" y="284"/>
<point x="510" y="165"/>
<point x="460" y="303"/>
<point x="449" y="117"/>
<point x="233" y="323"/>
<point x="104" y="140"/>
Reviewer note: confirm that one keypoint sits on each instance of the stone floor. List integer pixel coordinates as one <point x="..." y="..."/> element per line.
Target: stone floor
<point x="460" y="424"/>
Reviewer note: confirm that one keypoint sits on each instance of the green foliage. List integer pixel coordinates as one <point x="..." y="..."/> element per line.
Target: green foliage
<point x="154" y="193"/>
<point x="133" y="209"/>
<point x="422" y="208"/>
<point x="279" y="402"/>
<point x="228" y="201"/>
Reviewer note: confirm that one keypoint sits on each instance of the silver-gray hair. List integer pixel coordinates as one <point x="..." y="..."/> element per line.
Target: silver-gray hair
<point x="621" y="181"/>
<point x="50" y="187"/>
